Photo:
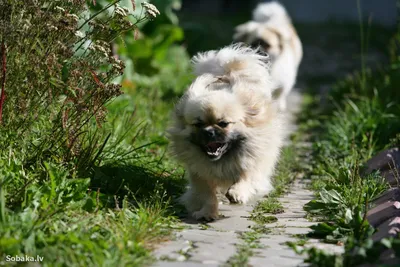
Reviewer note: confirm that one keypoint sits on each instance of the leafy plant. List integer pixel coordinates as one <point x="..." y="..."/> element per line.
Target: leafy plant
<point x="359" y="122"/>
<point x="57" y="139"/>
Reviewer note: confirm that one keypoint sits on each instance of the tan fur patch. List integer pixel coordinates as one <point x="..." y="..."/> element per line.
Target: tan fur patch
<point x="235" y="66"/>
<point x="268" y="35"/>
<point x="294" y="43"/>
<point x="209" y="116"/>
<point x="259" y="114"/>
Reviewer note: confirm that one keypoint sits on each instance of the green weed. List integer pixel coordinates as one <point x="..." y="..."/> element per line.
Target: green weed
<point x="269" y="205"/>
<point x="358" y="122"/>
<point x="263" y="219"/>
<point x="245" y="250"/>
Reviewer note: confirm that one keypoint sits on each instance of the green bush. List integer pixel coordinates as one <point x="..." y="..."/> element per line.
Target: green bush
<point x="60" y="74"/>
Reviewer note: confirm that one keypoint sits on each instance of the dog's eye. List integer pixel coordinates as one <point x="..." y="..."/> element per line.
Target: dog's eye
<point x="265" y="46"/>
<point x="223" y="124"/>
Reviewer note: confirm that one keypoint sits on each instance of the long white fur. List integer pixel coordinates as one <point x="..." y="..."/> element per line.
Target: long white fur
<point x="217" y="62"/>
<point x="247" y="86"/>
<point x="269" y="11"/>
<point x="284" y="68"/>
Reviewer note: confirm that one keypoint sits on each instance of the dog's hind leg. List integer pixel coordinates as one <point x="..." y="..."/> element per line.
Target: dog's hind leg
<point x="282" y="99"/>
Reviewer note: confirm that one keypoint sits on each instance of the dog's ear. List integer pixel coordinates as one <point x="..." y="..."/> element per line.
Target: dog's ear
<point x="258" y="111"/>
<point x="240" y="37"/>
<point x="178" y="116"/>
<point x="243" y="31"/>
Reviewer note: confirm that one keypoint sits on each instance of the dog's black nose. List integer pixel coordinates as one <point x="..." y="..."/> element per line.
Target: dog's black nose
<point x="209" y="132"/>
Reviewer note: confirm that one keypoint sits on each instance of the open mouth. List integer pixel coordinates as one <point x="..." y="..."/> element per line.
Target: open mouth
<point x="215" y="150"/>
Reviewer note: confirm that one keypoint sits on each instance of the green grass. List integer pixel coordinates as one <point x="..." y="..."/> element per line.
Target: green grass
<point x="263" y="219"/>
<point x="299" y="242"/>
<point x="269" y="205"/>
<point x="64" y="224"/>
<point x="358" y="121"/>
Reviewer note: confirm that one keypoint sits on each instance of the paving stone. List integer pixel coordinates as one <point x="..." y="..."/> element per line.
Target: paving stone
<point x="389" y="228"/>
<point x="285" y="223"/>
<point x="298" y="206"/>
<point x="217" y="253"/>
<point x="292" y="215"/>
<point x="392" y="194"/>
<point x="276" y="261"/>
<point x="392" y="177"/>
<point x="276" y="238"/>
<point x="383" y="212"/>
<point x="384" y="160"/>
<point x="181" y="264"/>
<point x="277" y="251"/>
<point x="293" y="230"/>
<point x="233" y="223"/>
<point x="209" y="236"/>
<point x="171" y="250"/>
<point x="329" y="248"/>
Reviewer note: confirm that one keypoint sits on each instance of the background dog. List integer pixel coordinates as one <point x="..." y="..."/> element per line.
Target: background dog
<point x="271" y="30"/>
<point x="225" y="129"/>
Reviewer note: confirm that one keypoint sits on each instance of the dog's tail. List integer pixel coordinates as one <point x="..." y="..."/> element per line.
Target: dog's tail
<point x="269" y="11"/>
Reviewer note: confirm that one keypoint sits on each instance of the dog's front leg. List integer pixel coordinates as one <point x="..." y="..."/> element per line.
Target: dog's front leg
<point x="240" y="192"/>
<point x="255" y="183"/>
<point x="201" y="198"/>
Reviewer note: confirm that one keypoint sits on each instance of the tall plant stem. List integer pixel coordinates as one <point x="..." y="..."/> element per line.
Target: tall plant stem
<point x="3" y="78"/>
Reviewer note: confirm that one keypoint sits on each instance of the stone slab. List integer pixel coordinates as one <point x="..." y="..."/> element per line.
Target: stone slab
<point x="383" y="212"/>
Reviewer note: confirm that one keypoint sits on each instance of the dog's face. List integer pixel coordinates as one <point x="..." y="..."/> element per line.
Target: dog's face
<point x="269" y="42"/>
<point x="267" y="38"/>
<point x="214" y="123"/>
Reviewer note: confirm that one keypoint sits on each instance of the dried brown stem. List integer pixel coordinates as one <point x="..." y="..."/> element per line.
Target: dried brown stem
<point x="3" y="78"/>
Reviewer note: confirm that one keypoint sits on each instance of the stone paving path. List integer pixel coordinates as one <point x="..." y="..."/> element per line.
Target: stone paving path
<point x="215" y="243"/>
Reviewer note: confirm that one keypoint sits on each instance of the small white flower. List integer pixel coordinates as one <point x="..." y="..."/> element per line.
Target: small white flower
<point x="126" y="9"/>
<point x="60" y="8"/>
<point x="121" y="11"/>
<point x="151" y="10"/>
<point x="73" y="16"/>
<point x="99" y="46"/>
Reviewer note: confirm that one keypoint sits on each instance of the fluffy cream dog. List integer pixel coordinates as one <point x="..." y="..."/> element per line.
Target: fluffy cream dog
<point x="225" y="129"/>
<point x="271" y="30"/>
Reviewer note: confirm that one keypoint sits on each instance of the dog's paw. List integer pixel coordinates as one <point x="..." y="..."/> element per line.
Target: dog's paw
<point x="237" y="196"/>
<point x="206" y="215"/>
